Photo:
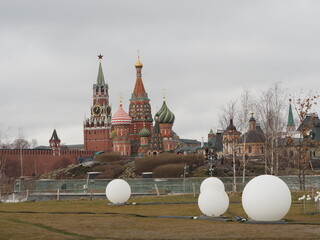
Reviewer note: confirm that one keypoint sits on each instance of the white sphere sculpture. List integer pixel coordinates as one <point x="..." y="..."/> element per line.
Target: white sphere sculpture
<point x="212" y="182"/>
<point x="213" y="202"/>
<point x="266" y="198"/>
<point x="118" y="191"/>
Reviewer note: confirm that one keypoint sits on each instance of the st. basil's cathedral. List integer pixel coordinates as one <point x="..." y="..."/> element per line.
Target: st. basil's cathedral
<point x="133" y="134"/>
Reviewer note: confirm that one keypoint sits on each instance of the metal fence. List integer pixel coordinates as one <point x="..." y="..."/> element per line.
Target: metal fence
<point x="145" y="185"/>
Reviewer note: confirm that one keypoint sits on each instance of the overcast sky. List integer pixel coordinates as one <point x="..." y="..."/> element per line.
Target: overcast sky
<point x="202" y="52"/>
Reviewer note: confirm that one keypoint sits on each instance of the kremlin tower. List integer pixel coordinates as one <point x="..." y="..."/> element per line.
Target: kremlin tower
<point x="139" y="110"/>
<point x="120" y="135"/>
<point x="55" y="143"/>
<point x="97" y="128"/>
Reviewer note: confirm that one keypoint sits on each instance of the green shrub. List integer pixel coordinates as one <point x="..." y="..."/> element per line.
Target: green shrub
<point x="112" y="170"/>
<point x="169" y="171"/>
<point x="149" y="164"/>
<point x="108" y="157"/>
<point x="78" y="172"/>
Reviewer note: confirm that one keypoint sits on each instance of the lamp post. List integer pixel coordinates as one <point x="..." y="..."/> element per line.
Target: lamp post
<point x="211" y="169"/>
<point x="184" y="177"/>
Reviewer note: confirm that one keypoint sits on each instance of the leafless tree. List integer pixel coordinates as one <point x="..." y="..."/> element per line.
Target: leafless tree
<point x="229" y="111"/>
<point x="6" y="180"/>
<point x="33" y="143"/>
<point x="247" y="102"/>
<point x="303" y="106"/>
<point x="271" y="110"/>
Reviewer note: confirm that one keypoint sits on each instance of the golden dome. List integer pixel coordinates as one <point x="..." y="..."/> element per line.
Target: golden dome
<point x="139" y="64"/>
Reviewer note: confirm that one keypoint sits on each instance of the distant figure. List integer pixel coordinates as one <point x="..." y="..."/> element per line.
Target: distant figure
<point x="64" y="186"/>
<point x="80" y="160"/>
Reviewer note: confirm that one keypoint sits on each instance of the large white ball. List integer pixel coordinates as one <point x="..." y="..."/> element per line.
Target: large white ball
<point x="266" y="198"/>
<point x="118" y="191"/>
<point x="213" y="202"/>
<point x="212" y="182"/>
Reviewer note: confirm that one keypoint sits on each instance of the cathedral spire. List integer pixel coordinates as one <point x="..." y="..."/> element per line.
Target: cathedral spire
<point x="139" y="90"/>
<point x="290" y="124"/>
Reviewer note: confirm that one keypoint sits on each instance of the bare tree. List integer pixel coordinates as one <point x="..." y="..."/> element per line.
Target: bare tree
<point x="271" y="114"/>
<point x="247" y="106"/>
<point x="4" y="143"/>
<point x="33" y="143"/>
<point x="6" y="167"/>
<point x="229" y="111"/>
<point x="303" y="107"/>
<point x="20" y="143"/>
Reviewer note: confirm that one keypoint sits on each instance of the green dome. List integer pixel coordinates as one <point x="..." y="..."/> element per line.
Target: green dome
<point x="144" y="132"/>
<point x="165" y="115"/>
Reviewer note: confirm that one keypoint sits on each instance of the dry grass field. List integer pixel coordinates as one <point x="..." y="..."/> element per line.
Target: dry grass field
<point x="84" y="219"/>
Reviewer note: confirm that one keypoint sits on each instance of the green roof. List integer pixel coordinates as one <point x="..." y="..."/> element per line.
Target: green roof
<point x="165" y="115"/>
<point x="100" y="78"/>
<point x="290" y="117"/>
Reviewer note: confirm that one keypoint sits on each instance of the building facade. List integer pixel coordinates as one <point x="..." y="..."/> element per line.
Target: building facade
<point x="252" y="143"/>
<point x="144" y="138"/>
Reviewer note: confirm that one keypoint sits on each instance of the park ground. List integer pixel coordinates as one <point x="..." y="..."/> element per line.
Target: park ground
<point x="149" y="218"/>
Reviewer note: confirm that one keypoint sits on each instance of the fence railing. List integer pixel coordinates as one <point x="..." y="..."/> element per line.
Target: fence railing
<point x="145" y="185"/>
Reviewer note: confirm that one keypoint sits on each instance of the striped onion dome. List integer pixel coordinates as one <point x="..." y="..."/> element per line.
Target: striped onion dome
<point x="144" y="132"/>
<point x="120" y="117"/>
<point x="165" y="115"/>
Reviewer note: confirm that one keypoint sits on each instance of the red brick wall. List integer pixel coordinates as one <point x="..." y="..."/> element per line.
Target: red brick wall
<point x="39" y="161"/>
<point x="97" y="139"/>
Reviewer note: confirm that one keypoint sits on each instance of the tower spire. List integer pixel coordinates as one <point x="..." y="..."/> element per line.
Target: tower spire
<point x="290" y="124"/>
<point x="139" y="90"/>
<point x="100" y="78"/>
<point x="120" y="100"/>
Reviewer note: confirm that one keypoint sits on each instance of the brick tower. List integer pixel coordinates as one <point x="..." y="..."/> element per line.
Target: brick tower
<point x="55" y="143"/>
<point x="156" y="139"/>
<point x="97" y="127"/>
<point x="121" y="124"/>
<point x="139" y="110"/>
<point x="230" y="138"/>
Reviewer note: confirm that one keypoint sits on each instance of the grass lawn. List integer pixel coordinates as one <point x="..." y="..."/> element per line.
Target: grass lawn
<point x="84" y="219"/>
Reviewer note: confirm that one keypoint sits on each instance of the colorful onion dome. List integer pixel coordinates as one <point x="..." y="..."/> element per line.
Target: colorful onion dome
<point x="144" y="132"/>
<point x="120" y="117"/>
<point x="165" y="115"/>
